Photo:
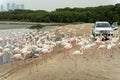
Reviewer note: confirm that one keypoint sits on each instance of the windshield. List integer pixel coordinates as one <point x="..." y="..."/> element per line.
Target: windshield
<point x="102" y="25"/>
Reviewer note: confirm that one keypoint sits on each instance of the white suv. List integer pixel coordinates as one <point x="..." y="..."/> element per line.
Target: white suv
<point x="102" y="27"/>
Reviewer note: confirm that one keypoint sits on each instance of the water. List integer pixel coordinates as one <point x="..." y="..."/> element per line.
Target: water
<point x="19" y="32"/>
<point x="13" y="26"/>
<point x="26" y="23"/>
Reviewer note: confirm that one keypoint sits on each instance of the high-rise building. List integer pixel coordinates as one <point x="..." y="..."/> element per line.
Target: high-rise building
<point x="13" y="6"/>
<point x="17" y="6"/>
<point x="8" y="6"/>
<point x="22" y="6"/>
<point x="1" y="8"/>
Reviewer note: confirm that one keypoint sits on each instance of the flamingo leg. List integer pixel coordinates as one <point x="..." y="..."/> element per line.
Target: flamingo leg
<point x="44" y="57"/>
<point x="75" y="61"/>
<point x="94" y="51"/>
<point x="24" y="63"/>
<point x="67" y="54"/>
<point x="16" y="63"/>
<point x="107" y="53"/>
<point x="84" y="55"/>
<point x="53" y="52"/>
<point x="110" y="53"/>
<point x="99" y="52"/>
<point x="36" y="63"/>
<point x="64" y="54"/>
<point x="37" y="67"/>
<point x="30" y="63"/>
<point x="50" y="56"/>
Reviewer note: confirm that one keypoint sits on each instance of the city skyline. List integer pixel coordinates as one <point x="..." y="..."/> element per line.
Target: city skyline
<point x="11" y="6"/>
<point x="50" y="5"/>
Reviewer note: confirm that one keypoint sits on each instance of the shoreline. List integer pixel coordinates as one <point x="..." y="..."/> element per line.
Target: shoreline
<point x="13" y="26"/>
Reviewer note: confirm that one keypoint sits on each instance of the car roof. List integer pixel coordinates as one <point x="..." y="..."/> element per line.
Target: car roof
<point x="101" y="22"/>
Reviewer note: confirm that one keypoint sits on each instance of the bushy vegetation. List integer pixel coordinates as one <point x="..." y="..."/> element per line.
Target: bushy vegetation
<point x="109" y="13"/>
<point x="36" y="27"/>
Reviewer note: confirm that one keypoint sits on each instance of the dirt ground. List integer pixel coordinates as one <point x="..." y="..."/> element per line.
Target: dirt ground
<point x="57" y="68"/>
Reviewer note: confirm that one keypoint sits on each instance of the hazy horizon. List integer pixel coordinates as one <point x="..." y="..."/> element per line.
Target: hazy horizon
<point x="50" y="5"/>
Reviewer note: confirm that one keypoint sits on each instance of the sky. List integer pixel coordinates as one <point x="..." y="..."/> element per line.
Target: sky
<point x="50" y="5"/>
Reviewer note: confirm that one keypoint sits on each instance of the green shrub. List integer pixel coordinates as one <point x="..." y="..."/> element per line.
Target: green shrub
<point x="36" y="26"/>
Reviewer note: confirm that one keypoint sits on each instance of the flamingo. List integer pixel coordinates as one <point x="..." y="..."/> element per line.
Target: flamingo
<point x="66" y="48"/>
<point x="77" y="53"/>
<point x="101" y="48"/>
<point x="16" y="50"/>
<point x="53" y="45"/>
<point x="38" y="51"/>
<point x="109" y="47"/>
<point x="98" y="41"/>
<point x="46" y="50"/>
<point x="20" y="56"/>
<point x="79" y="44"/>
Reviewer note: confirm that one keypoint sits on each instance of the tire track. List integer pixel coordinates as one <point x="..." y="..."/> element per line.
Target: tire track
<point x="7" y="74"/>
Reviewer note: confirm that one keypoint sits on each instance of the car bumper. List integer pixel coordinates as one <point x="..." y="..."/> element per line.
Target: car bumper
<point x="97" y="35"/>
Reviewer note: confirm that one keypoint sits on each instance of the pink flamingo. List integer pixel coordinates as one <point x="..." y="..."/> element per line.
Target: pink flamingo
<point x="77" y="53"/>
<point x="66" y="48"/>
<point x="46" y="50"/>
<point x="19" y="56"/>
<point x="101" y="48"/>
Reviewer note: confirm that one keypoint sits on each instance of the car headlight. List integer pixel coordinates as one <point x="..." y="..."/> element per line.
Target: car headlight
<point x="112" y="31"/>
<point x="96" y="31"/>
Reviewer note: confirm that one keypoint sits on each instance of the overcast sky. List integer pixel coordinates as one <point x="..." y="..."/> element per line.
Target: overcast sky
<point x="50" y="5"/>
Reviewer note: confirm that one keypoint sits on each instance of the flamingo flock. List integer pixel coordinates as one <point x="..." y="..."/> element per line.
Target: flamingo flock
<point x="44" y="43"/>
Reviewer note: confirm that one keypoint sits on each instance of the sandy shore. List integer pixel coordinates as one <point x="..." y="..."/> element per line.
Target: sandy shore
<point x="89" y="68"/>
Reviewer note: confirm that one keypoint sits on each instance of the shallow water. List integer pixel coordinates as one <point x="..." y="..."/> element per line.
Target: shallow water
<point x="12" y="31"/>
<point x="13" y="26"/>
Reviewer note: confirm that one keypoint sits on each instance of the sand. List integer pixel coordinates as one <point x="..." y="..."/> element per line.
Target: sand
<point x="57" y="68"/>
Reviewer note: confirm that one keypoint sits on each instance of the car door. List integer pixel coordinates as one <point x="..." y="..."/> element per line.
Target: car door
<point x="93" y="29"/>
<point x="115" y="24"/>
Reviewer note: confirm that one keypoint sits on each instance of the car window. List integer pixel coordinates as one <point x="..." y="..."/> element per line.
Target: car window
<point x="102" y="25"/>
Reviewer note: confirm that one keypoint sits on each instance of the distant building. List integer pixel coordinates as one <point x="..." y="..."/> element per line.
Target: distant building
<point x="22" y="6"/>
<point x="17" y="6"/>
<point x="13" y="6"/>
<point x="8" y="6"/>
<point x="1" y="8"/>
